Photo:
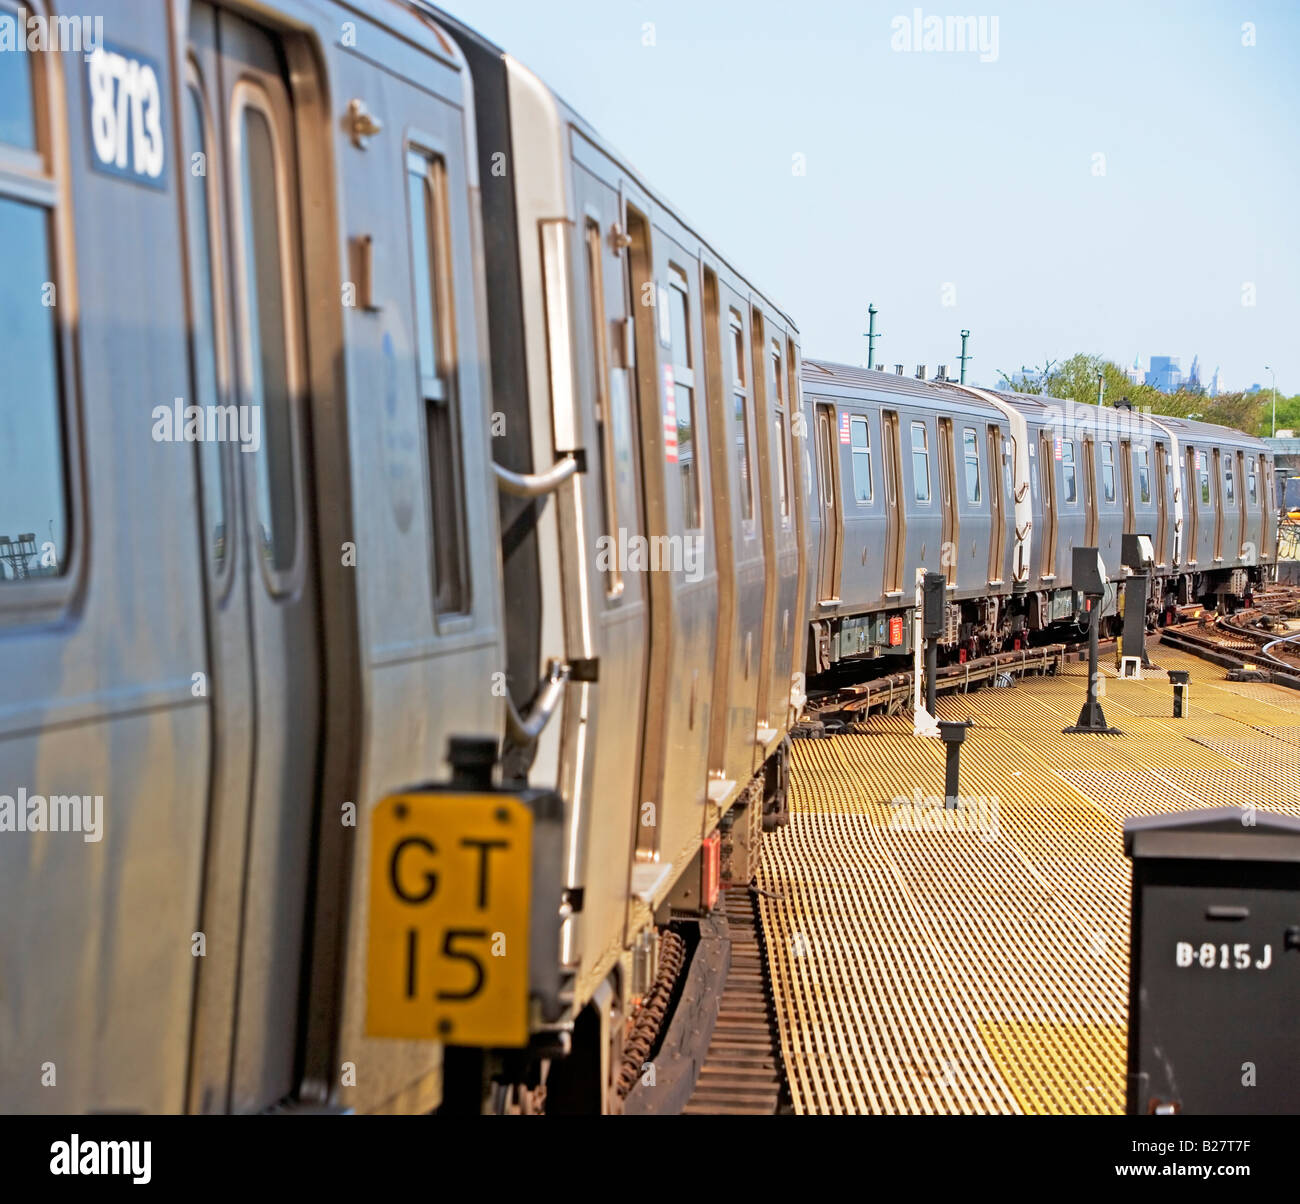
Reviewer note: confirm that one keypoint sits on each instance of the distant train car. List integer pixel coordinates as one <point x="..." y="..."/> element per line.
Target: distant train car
<point x="1226" y="526"/>
<point x="909" y="475"/>
<point x="995" y="490"/>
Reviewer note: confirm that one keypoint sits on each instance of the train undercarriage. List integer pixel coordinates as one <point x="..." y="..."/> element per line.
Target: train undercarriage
<point x="841" y="648"/>
<point x="593" y="1065"/>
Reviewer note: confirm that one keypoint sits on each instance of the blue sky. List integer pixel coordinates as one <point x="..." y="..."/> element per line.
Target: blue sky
<point x="933" y="168"/>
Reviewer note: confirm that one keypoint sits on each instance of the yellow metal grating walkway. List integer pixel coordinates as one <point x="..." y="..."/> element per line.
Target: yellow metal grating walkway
<point x="984" y="968"/>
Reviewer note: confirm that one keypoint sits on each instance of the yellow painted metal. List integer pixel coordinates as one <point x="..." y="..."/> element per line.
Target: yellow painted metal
<point x="925" y="961"/>
<point x="450" y="893"/>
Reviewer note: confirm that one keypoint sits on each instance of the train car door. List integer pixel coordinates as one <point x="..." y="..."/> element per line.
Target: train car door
<point x="1242" y="507"/>
<point x="832" y="526"/>
<point x="950" y="525"/>
<point x="1217" y="469"/>
<point x="678" y="498"/>
<point x="253" y="125"/>
<point x="735" y="455"/>
<point x="1193" y="495"/>
<point x="1047" y="490"/>
<point x="1162" y="503"/>
<point x="618" y="584"/>
<point x="1089" y="494"/>
<point x="1268" y="513"/>
<point x="891" y="447"/>
<point x="1126" y="484"/>
<point x="998" y="533"/>
<point x="783" y="420"/>
<point x="738" y="538"/>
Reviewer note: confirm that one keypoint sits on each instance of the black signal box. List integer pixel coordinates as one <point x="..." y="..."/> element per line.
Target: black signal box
<point x="1214" y="974"/>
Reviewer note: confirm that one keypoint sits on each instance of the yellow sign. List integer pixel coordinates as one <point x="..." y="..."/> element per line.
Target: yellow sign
<point x="450" y="878"/>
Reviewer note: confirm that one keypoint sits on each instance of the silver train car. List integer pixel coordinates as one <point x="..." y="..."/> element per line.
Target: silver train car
<point x="359" y="399"/>
<point x="995" y="490"/>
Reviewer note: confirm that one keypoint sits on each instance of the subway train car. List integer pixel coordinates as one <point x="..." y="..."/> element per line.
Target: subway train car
<point x="250" y="537"/>
<point x="652" y="509"/>
<point x="903" y="482"/>
<point x="995" y="490"/>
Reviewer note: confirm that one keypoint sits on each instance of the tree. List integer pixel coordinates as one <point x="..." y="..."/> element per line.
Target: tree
<point x="1076" y="380"/>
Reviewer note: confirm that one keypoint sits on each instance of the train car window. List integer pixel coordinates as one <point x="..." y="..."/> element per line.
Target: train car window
<point x="267" y="332"/>
<point x="17" y="111"/>
<point x="426" y="183"/>
<point x="860" y="441"/>
<point x="1252" y="484"/>
<point x="1067" y="470"/>
<point x="1227" y="479"/>
<point x="684" y="380"/>
<point x="202" y="239"/>
<point x="1108" y="471"/>
<point x="33" y="488"/>
<point x="604" y="419"/>
<point x="34" y="496"/>
<point x="780" y="455"/>
<point x="971" y="455"/>
<point x="778" y="397"/>
<point x="1140" y="455"/>
<point x="1204" y="474"/>
<point x="921" y="461"/>
<point x="740" y="403"/>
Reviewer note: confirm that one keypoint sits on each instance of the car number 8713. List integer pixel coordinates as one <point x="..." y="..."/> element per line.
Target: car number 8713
<point x="126" y="126"/>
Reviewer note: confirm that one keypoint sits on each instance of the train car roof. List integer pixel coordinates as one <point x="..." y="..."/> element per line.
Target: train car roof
<point x="1194" y="428"/>
<point x="824" y="374"/>
<point x="1189" y="428"/>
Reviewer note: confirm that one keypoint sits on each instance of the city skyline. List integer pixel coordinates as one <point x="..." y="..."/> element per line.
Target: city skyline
<point x="1140" y="201"/>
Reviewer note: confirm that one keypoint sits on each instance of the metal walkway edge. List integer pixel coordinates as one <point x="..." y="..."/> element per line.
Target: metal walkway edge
<point x="742" y="1070"/>
<point x="982" y="966"/>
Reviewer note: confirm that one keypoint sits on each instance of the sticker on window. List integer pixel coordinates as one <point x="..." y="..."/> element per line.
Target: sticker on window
<point x="670" y="416"/>
<point x="124" y="97"/>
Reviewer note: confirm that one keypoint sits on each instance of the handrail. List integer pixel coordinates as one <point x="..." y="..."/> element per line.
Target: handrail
<point x="525" y="730"/>
<point x="535" y="484"/>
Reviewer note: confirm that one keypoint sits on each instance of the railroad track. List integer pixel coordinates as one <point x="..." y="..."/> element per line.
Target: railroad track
<point x="1263" y="639"/>
<point x="892" y="693"/>
<point x="742" y="1073"/>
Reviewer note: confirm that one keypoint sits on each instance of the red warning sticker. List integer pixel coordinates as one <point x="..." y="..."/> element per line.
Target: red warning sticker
<point x="670" y="417"/>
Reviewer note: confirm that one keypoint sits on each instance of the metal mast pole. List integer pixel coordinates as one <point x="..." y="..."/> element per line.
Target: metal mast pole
<point x="871" y="335"/>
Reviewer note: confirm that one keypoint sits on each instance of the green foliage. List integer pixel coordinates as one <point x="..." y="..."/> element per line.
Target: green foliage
<point x="1288" y="412"/>
<point x="1076" y="379"/>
